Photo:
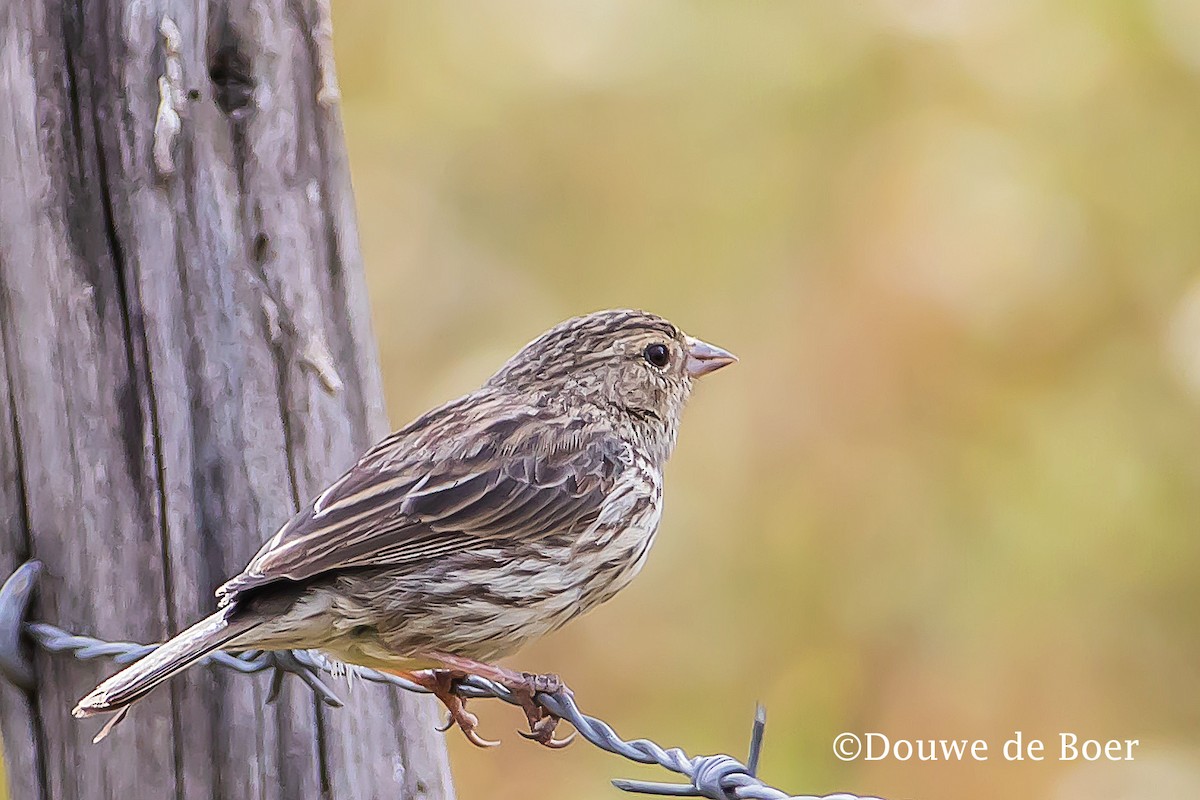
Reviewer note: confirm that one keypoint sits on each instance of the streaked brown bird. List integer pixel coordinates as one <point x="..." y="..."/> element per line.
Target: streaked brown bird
<point x="482" y="525"/>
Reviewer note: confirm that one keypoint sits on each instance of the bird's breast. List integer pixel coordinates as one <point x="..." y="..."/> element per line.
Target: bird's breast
<point x="614" y="548"/>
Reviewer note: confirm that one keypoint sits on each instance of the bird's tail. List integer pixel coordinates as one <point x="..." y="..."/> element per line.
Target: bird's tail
<point x="135" y="681"/>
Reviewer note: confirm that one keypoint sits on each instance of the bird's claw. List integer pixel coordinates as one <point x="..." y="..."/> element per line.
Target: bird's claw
<point x="524" y="686"/>
<point x="468" y="723"/>
<point x="542" y="732"/>
<point x="477" y="740"/>
<point x="541" y="722"/>
<point x="459" y="716"/>
<point x="442" y="684"/>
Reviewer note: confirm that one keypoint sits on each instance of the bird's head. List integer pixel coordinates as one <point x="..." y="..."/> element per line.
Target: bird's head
<point x="634" y="366"/>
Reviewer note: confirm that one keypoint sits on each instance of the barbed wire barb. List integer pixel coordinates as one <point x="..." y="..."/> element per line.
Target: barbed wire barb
<point x="720" y="777"/>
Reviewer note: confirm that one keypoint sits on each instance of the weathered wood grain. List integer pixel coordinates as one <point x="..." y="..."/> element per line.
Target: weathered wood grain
<point x="186" y="355"/>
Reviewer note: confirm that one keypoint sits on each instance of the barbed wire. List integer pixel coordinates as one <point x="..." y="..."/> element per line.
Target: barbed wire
<point x="720" y="777"/>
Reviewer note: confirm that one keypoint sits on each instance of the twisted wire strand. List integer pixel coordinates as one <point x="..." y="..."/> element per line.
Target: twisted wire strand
<point x="719" y="777"/>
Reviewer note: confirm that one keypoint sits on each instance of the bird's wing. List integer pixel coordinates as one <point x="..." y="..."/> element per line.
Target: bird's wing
<point x="444" y="485"/>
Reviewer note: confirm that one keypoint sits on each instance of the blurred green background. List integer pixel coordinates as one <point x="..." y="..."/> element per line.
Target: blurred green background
<point x="953" y="487"/>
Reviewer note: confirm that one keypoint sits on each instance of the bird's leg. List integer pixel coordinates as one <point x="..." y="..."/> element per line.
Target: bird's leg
<point x="524" y="686"/>
<point x="440" y="682"/>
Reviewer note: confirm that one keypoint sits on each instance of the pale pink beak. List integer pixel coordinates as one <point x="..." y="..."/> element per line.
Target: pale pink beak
<point x="703" y="358"/>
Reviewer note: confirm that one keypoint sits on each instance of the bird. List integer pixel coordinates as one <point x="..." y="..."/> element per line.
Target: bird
<point x="482" y="525"/>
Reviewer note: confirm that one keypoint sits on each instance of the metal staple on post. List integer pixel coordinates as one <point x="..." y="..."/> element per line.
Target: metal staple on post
<point x="720" y="777"/>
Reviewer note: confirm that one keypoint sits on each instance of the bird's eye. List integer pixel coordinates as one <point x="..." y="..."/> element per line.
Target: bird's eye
<point x="657" y="354"/>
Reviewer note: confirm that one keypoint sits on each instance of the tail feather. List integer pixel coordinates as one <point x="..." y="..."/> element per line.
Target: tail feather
<point x="135" y="681"/>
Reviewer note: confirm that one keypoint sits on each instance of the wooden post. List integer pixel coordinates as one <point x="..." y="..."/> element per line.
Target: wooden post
<point x="186" y="355"/>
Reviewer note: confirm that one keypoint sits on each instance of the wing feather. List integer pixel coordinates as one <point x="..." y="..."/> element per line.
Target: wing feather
<point x="445" y="485"/>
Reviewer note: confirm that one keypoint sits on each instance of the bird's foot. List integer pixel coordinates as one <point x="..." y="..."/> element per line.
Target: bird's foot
<point x="541" y="722"/>
<point x="440" y="682"/>
<point x="525" y="686"/>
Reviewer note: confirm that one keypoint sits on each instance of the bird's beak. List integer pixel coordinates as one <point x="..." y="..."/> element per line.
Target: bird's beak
<point x="703" y="358"/>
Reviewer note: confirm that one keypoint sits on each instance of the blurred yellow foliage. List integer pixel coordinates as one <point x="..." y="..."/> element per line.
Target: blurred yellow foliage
<point x="951" y="489"/>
